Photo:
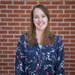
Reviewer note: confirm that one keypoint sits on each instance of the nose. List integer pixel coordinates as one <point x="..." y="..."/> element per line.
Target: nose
<point x="39" y="19"/>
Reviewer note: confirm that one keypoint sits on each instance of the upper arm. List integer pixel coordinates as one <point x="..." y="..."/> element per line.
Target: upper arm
<point x="19" y="61"/>
<point x="60" y="58"/>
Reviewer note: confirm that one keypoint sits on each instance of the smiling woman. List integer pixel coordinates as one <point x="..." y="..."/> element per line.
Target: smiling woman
<point x="40" y="19"/>
<point x="39" y="52"/>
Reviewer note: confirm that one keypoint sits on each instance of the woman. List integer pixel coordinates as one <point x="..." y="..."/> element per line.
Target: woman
<point x="39" y="52"/>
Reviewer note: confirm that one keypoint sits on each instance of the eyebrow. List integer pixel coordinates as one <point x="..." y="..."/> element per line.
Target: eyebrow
<point x="37" y="14"/>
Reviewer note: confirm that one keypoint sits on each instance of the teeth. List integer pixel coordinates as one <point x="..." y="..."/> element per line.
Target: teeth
<point x="40" y="24"/>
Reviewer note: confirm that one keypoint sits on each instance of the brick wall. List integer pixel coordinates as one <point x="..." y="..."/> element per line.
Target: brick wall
<point x="15" y="20"/>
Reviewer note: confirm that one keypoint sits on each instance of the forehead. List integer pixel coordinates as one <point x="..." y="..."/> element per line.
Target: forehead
<point x="38" y="11"/>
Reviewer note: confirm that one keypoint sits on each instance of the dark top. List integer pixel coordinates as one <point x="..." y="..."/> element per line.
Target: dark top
<point x="36" y="60"/>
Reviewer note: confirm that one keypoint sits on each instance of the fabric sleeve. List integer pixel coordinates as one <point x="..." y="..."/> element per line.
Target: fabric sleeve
<point x="19" y="61"/>
<point x="60" y="58"/>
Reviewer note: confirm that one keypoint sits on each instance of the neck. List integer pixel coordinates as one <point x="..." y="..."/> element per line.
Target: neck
<point x="39" y="35"/>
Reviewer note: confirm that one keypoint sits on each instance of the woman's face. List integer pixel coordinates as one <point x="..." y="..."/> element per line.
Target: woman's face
<point x="40" y="19"/>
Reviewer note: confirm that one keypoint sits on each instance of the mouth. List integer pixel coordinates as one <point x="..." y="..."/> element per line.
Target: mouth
<point x="40" y="24"/>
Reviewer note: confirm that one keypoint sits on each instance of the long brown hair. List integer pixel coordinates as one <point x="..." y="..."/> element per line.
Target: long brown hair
<point x="47" y="36"/>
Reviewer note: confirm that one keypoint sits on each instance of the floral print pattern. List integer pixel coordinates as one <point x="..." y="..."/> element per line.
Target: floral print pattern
<point x="39" y="60"/>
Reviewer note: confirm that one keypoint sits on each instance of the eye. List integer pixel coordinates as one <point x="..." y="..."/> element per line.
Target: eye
<point x="43" y="16"/>
<point x="36" y="17"/>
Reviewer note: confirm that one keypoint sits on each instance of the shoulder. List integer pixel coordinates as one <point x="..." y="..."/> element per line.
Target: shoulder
<point x="57" y="39"/>
<point x="23" y="37"/>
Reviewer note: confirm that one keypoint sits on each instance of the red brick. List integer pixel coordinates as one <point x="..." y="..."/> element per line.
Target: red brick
<point x="70" y="69"/>
<point x="63" y="15"/>
<point x="73" y="32"/>
<point x="11" y="64"/>
<point x="2" y="15"/>
<point x="11" y="72"/>
<point x="3" y="48"/>
<point x="6" y="19"/>
<point x="51" y="7"/>
<point x="18" y="2"/>
<point x="13" y="24"/>
<point x="72" y="57"/>
<point x="57" y="28"/>
<point x="57" y="11"/>
<point x="72" y="73"/>
<point x="13" y="15"/>
<point x="7" y="36"/>
<point x="13" y="7"/>
<point x="3" y="71"/>
<point x="24" y="15"/>
<point x="72" y="41"/>
<point x="70" y="61"/>
<point x="3" y="64"/>
<point x="53" y="15"/>
<point x="12" y="40"/>
<point x="69" y="20"/>
<point x="12" y="48"/>
<point x="7" y="44"/>
<point x="3" y="24"/>
<point x="31" y="2"/>
<point x="72" y="53"/>
<point x="8" y="68"/>
<point x="3" y="40"/>
<point x="25" y="7"/>
<point x="69" y="11"/>
<point x="8" y="60"/>
<point x="66" y="65"/>
<point x="11" y="56"/>
<point x="27" y="19"/>
<point x="6" y="11"/>
<point x="17" y="36"/>
<point x="73" y="6"/>
<point x="66" y="57"/>
<point x="66" y="41"/>
<point x="69" y="2"/>
<point x="63" y="24"/>
<point x="69" y="37"/>
<point x="68" y="45"/>
<point x="13" y="32"/>
<point x="1" y="60"/>
<point x="64" y="7"/>
<point x="72" y="24"/>
<point x="72" y="49"/>
<point x="28" y="11"/>
<point x="56" y="20"/>
<point x="44" y="2"/>
<point x="25" y="24"/>
<point x="7" y="28"/>
<point x="19" y="11"/>
<point x="19" y="19"/>
<point x="3" y="32"/>
<point x="3" y="56"/>
<point x="57" y="2"/>
<point x="53" y="24"/>
<point x="19" y="28"/>
<point x="8" y="52"/>
<point x="73" y="15"/>
<point x="6" y="2"/>
<point x="63" y="32"/>
<point x="69" y="28"/>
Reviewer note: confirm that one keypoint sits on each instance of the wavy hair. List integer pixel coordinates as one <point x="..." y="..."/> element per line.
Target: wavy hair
<point x="47" y="38"/>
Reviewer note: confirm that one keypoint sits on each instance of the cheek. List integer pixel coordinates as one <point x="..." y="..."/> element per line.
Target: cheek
<point x="35" y="21"/>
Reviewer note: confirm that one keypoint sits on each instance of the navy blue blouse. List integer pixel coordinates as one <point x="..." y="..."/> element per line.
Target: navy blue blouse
<point x="36" y="60"/>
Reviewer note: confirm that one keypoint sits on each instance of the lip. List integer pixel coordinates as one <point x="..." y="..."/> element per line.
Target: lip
<point x="40" y="24"/>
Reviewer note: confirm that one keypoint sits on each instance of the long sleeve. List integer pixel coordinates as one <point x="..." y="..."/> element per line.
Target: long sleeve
<point x="19" y="61"/>
<point x="60" y="58"/>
